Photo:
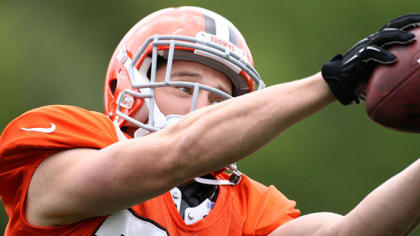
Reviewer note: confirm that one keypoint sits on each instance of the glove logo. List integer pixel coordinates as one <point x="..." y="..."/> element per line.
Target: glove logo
<point x="42" y="130"/>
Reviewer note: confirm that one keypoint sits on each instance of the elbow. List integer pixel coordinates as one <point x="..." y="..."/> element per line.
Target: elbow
<point x="176" y="157"/>
<point x="183" y="155"/>
<point x="328" y="223"/>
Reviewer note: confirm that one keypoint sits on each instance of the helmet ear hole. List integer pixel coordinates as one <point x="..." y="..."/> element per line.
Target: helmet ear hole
<point x="161" y="61"/>
<point x="113" y="85"/>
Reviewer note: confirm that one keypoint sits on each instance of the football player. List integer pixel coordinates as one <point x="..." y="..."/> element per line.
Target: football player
<point x="179" y="113"/>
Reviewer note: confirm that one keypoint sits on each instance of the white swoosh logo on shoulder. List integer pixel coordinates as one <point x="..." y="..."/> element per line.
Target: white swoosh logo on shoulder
<point x="42" y="130"/>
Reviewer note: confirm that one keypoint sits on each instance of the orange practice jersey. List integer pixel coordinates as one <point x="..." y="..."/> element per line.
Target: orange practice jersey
<point x="249" y="208"/>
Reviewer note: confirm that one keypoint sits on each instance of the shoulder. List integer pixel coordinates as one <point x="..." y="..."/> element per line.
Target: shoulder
<point x="252" y="189"/>
<point x="56" y="126"/>
<point x="265" y="206"/>
<point x="59" y="115"/>
<point x="41" y="132"/>
<point x="254" y="193"/>
<point x="266" y="194"/>
<point x="38" y="134"/>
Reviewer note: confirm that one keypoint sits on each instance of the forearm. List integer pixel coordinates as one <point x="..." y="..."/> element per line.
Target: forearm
<point x="391" y="209"/>
<point x="203" y="141"/>
<point x="238" y="127"/>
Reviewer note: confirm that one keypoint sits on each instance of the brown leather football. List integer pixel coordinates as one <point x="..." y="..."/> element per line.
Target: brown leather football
<point x="393" y="91"/>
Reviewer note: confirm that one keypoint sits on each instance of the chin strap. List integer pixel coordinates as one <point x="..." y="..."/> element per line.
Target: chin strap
<point x="233" y="180"/>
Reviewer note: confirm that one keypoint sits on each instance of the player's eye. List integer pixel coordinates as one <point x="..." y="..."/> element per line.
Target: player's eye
<point x="217" y="100"/>
<point x="185" y="90"/>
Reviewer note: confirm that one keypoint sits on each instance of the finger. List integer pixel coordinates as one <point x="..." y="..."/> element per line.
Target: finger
<point x="389" y="37"/>
<point x="377" y="54"/>
<point x="403" y="22"/>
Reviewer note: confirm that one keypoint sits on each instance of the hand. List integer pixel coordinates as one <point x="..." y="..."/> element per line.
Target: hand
<point x="346" y="74"/>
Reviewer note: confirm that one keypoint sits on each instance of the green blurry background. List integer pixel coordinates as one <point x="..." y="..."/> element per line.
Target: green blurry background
<point x="56" y="52"/>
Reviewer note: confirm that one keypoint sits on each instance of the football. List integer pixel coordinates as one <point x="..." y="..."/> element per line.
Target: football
<point x="393" y="91"/>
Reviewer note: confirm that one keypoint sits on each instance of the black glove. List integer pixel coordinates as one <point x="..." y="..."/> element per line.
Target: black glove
<point x="344" y="74"/>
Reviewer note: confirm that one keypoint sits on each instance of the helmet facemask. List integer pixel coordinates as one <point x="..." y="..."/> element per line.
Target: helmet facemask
<point x="178" y="48"/>
<point x="227" y="59"/>
<point x="185" y="34"/>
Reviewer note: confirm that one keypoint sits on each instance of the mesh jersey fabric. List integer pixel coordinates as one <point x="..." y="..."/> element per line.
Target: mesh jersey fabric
<point x="248" y="208"/>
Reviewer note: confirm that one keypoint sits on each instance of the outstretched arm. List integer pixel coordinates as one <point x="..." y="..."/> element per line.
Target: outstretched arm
<point x="394" y="207"/>
<point x="391" y="209"/>
<point x="80" y="183"/>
